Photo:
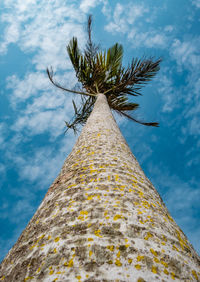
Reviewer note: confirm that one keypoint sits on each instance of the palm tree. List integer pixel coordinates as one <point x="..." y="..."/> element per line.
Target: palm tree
<point x="101" y="219"/>
<point x="102" y="72"/>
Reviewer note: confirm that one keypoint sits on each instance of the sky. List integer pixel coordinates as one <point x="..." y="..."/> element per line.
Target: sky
<point x="33" y="146"/>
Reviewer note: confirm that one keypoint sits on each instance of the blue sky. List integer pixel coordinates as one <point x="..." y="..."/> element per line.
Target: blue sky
<point x="33" y="146"/>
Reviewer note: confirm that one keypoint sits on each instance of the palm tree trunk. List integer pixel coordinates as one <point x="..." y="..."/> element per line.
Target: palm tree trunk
<point x="101" y="220"/>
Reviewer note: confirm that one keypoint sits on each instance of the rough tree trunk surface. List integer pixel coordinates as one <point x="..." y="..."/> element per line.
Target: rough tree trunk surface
<point x="101" y="220"/>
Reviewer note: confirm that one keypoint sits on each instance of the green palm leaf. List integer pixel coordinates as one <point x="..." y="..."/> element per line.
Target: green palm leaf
<point x="102" y="72"/>
<point x="74" y="54"/>
<point x="114" y="58"/>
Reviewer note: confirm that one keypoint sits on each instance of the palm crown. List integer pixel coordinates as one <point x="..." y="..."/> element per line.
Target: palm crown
<point x="102" y="72"/>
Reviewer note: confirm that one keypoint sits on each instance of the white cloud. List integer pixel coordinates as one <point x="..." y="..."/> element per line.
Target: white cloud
<point x="43" y="164"/>
<point x="34" y="82"/>
<point x="40" y="122"/>
<point x="44" y="29"/>
<point x="3" y="134"/>
<point x="196" y="3"/>
<point x="29" y="86"/>
<point x="86" y="5"/>
<point x="187" y="55"/>
<point x="194" y="161"/>
<point x="192" y="126"/>
<point x="14" y="19"/>
<point x="2" y="168"/>
<point x="106" y="9"/>
<point x="124" y="16"/>
<point x="186" y="52"/>
<point x="126" y="19"/>
<point x="48" y="107"/>
<point x="44" y="121"/>
<point x="50" y="43"/>
<point x="48" y="101"/>
<point x="169" y="94"/>
<point x="3" y="175"/>
<point x="148" y="39"/>
<point x="169" y="28"/>
<point x="20" y="207"/>
<point x="11" y="36"/>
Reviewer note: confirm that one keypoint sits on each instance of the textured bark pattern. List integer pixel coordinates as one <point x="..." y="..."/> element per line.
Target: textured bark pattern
<point x="101" y="220"/>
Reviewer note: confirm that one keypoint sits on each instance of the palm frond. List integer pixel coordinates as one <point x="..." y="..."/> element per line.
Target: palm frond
<point x="91" y="49"/>
<point x="155" y="124"/>
<point x="74" y="54"/>
<point x="102" y="72"/>
<point x="121" y="103"/>
<point x="51" y="75"/>
<point x="130" y="80"/>
<point x="114" y="58"/>
<point x="81" y="113"/>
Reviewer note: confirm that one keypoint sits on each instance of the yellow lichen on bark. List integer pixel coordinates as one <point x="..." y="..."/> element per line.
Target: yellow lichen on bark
<point x="138" y="266"/>
<point x="101" y="217"/>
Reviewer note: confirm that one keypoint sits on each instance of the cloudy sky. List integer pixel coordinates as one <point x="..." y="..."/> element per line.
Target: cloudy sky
<point x="33" y="146"/>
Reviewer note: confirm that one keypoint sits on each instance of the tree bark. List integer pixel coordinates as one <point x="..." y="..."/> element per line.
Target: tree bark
<point x="101" y="219"/>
